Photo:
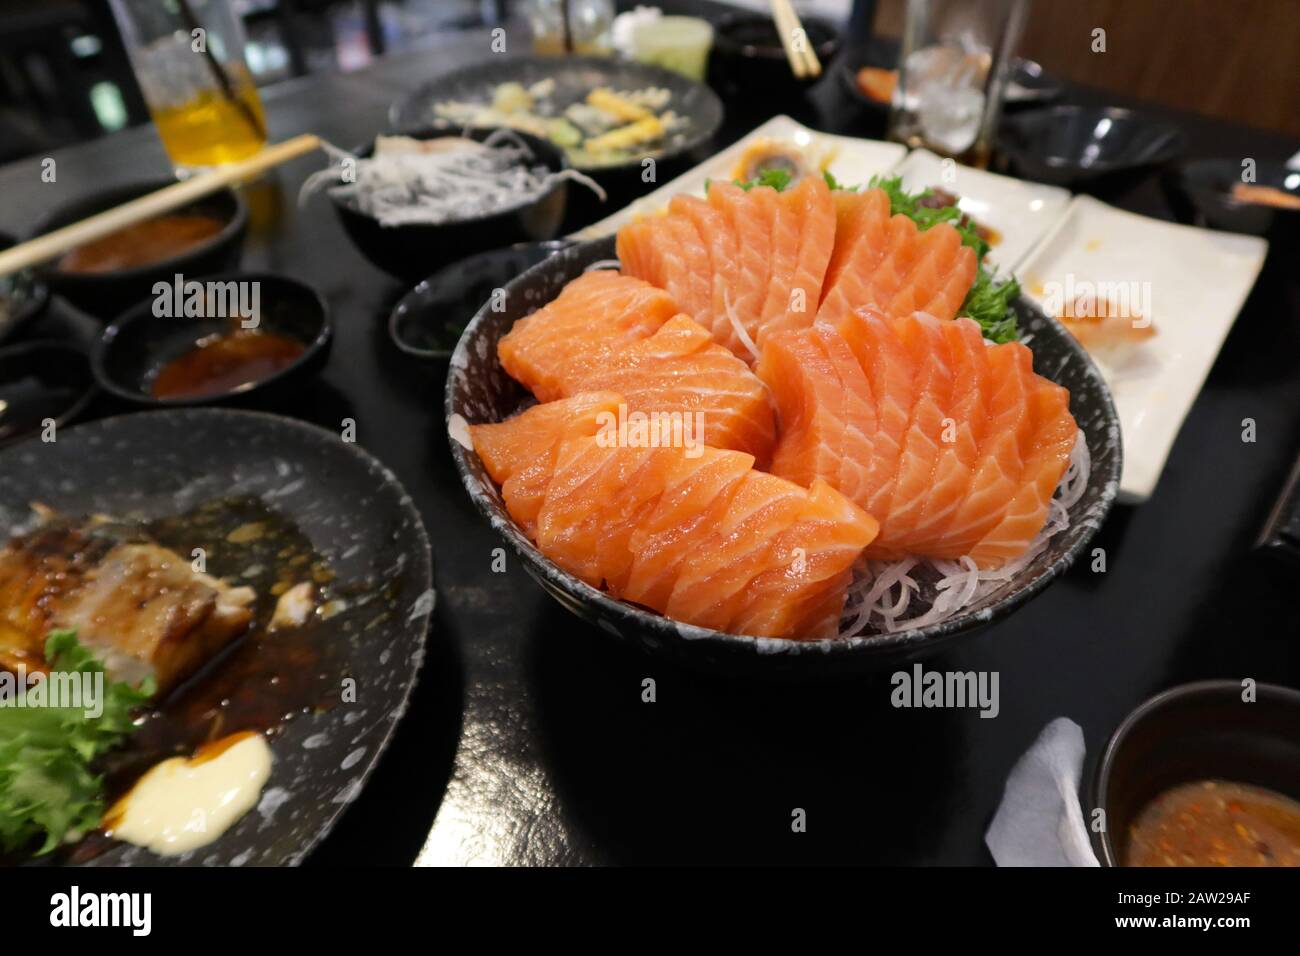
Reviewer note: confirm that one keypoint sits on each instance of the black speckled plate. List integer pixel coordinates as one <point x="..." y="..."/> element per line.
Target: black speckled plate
<point x="479" y="390"/>
<point x="356" y="515"/>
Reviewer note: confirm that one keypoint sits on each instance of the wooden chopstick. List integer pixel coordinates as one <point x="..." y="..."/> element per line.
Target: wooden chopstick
<point x="53" y="244"/>
<point x="803" y="58"/>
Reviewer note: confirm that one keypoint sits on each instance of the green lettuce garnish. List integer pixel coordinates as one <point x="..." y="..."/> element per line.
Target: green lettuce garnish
<point x="49" y="790"/>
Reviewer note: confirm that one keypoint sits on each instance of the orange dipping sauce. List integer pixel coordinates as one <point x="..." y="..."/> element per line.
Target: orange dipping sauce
<point x="142" y="244"/>
<point x="224" y="363"/>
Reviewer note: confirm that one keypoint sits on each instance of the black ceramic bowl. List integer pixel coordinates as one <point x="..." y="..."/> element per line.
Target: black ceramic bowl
<point x="1201" y="731"/>
<point x="1074" y="144"/>
<point x="1200" y="193"/>
<point x="22" y="296"/>
<point x="479" y="390"/>
<point x="413" y="251"/>
<point x="748" y="59"/>
<point x="429" y="320"/>
<point x="105" y="294"/>
<point x="139" y="343"/>
<point x="42" y="382"/>
<point x="574" y="77"/>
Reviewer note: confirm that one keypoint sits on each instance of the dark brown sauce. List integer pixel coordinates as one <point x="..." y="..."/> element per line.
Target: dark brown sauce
<point x="225" y="363"/>
<point x="142" y="244"/>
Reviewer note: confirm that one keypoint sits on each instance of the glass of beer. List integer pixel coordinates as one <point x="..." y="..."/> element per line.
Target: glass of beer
<point x="188" y="56"/>
<point x="952" y="73"/>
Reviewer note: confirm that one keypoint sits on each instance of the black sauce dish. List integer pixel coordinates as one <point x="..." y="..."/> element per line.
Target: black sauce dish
<point x="428" y="321"/>
<point x="1199" y="731"/>
<point x="41" y="383"/>
<point x="1071" y="144"/>
<point x="22" y="296"/>
<point x="1200" y="192"/>
<point x="413" y="251"/>
<point x="748" y="59"/>
<point x="479" y="391"/>
<point x="105" y="294"/>
<point x="139" y="343"/>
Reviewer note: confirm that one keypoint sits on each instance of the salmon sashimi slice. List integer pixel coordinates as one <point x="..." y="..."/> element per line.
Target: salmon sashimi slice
<point x="594" y="317"/>
<point x="519" y="453"/>
<point x="959" y="445"/>
<point x="803" y="236"/>
<point x="888" y="263"/>
<point x="693" y="386"/>
<point x="751" y="214"/>
<point x="826" y="412"/>
<point x="721" y="268"/>
<point x="809" y="568"/>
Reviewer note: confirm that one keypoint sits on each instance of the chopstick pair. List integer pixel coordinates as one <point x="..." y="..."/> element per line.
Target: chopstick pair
<point x="794" y="38"/>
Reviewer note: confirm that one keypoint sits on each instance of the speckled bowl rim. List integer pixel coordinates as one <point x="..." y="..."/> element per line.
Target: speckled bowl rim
<point x="483" y="498"/>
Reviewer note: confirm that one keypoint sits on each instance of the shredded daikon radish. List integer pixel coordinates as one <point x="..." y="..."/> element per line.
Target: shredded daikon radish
<point x="603" y="264"/>
<point x="882" y="591"/>
<point x="440" y="180"/>
<point x="745" y="340"/>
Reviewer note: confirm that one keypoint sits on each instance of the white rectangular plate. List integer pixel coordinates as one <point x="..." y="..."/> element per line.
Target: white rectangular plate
<point x="1020" y="212"/>
<point x="1190" y="282"/>
<point x="852" y="161"/>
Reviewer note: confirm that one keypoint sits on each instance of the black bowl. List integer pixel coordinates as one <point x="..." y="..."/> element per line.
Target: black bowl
<point x="22" y="296"/>
<point x="1074" y="144"/>
<point x="574" y="77"/>
<point x="428" y="321"/>
<point x="1201" y="731"/>
<point x="42" y="383"/>
<point x="479" y="390"/>
<point x="748" y="59"/>
<point x="105" y="294"/>
<point x="1200" y="193"/>
<point x="139" y="343"/>
<point x="413" y="251"/>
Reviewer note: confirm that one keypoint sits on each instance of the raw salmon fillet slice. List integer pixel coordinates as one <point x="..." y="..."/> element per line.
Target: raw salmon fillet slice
<point x="519" y="453"/>
<point x="680" y="371"/>
<point x="596" y="316"/>
<point x="886" y="262"/>
<point x="803" y="237"/>
<point x="958" y="446"/>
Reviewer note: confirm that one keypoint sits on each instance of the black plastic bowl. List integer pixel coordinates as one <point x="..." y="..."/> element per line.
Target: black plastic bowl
<point x="413" y="251"/>
<point x="1201" y="731"/>
<point x="1200" y="193"/>
<point x="22" y="296"/>
<point x="42" y="382"/>
<point x="139" y="343"/>
<point x="479" y="391"/>
<point x="105" y="294"/>
<point x="748" y="59"/>
<point x="1074" y="144"/>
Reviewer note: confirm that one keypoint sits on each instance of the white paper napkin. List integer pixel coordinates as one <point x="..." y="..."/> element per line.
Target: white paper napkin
<point x="1040" y="822"/>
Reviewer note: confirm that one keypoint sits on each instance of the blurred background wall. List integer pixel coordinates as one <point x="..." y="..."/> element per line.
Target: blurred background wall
<point x="64" y="77"/>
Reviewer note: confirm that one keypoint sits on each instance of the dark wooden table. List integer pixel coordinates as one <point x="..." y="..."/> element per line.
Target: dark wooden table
<point x="527" y="741"/>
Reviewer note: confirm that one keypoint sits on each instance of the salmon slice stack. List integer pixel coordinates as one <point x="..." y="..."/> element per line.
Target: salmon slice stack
<point x="596" y="316"/>
<point x="886" y="262"/>
<point x="695" y="533"/>
<point x="742" y="262"/>
<point x="694" y="386"/>
<point x="519" y="453"/>
<point x="956" y="447"/>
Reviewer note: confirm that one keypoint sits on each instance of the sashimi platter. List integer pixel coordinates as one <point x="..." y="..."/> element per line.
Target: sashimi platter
<point x="785" y="414"/>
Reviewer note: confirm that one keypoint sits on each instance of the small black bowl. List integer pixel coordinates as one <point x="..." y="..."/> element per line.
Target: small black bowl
<point x="105" y="294"/>
<point x="1200" y="731"/>
<point x="1200" y="193"/>
<point x="1074" y="144"/>
<point x="139" y="343"/>
<point x="22" y="296"/>
<point x="412" y="252"/>
<point x="428" y="321"/>
<point x="42" y="382"/>
<point x="748" y="59"/>
<point x="479" y="390"/>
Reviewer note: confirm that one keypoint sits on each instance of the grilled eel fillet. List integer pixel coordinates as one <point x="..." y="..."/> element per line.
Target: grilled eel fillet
<point x="139" y="606"/>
